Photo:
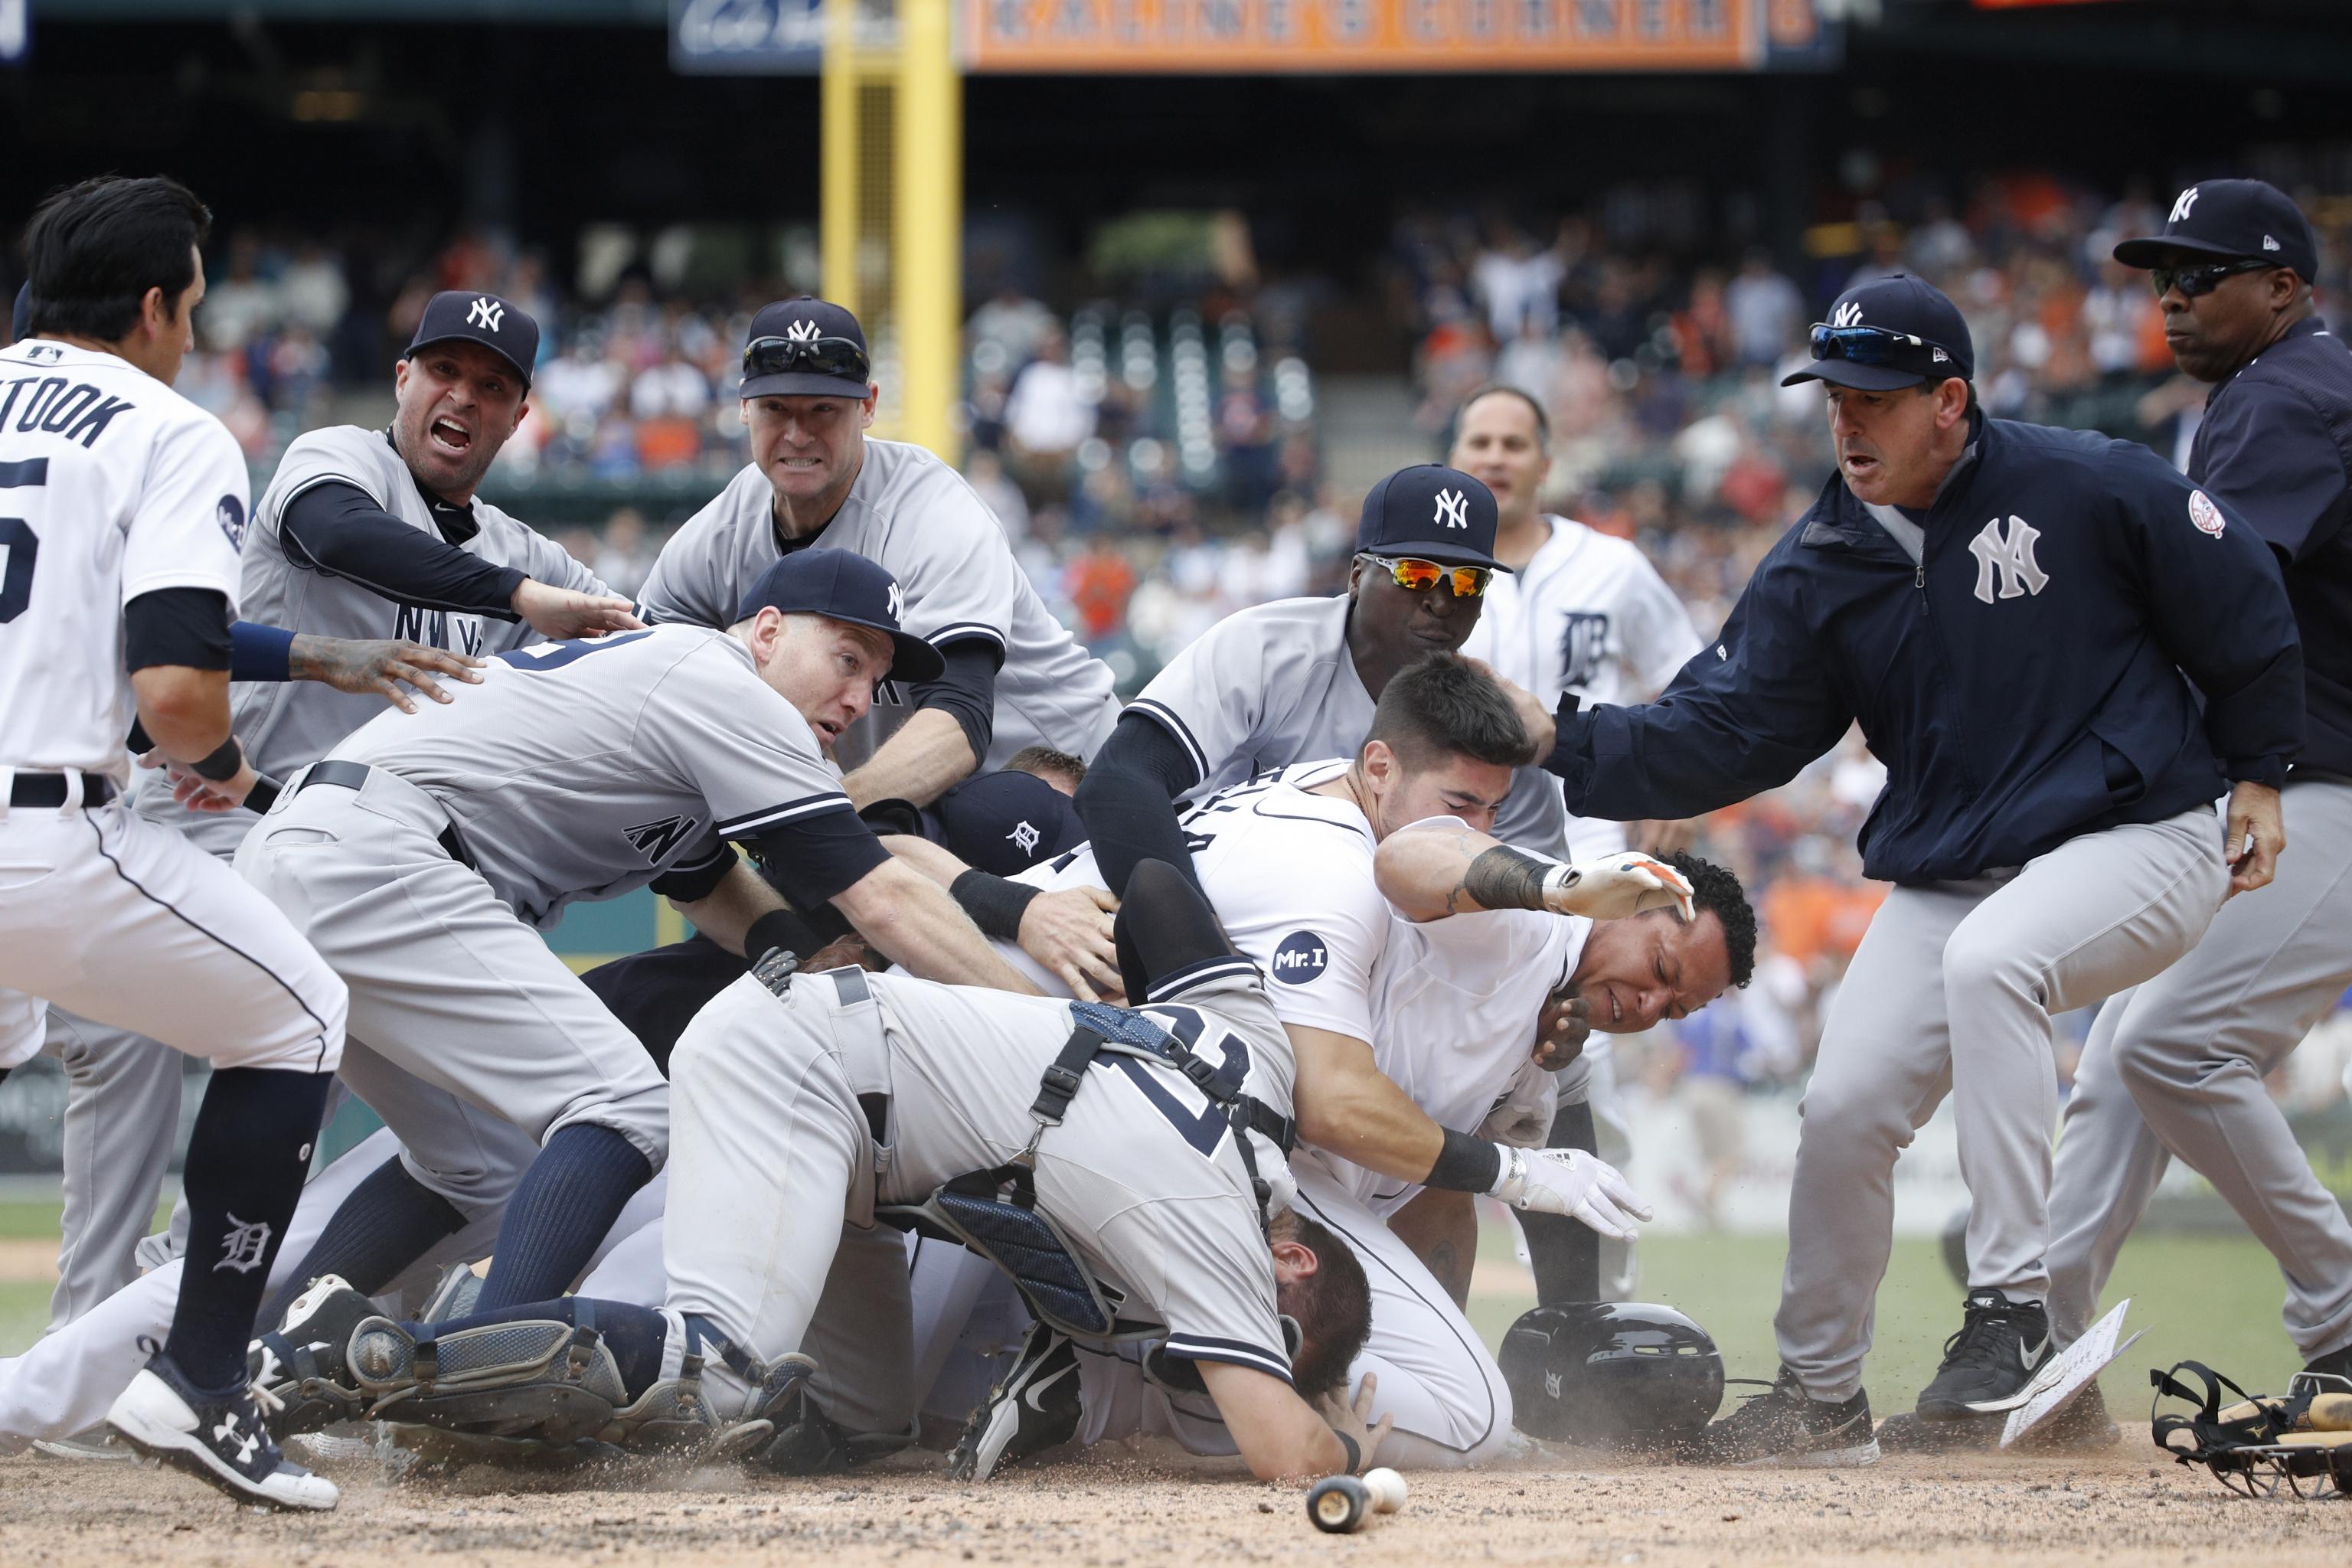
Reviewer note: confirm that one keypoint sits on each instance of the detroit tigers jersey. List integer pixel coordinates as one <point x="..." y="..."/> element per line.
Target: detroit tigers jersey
<point x="1290" y="876"/>
<point x="583" y="769"/>
<point x="1275" y="685"/>
<point x="1454" y="1004"/>
<point x="111" y="484"/>
<point x="285" y="725"/>
<point x="911" y="513"/>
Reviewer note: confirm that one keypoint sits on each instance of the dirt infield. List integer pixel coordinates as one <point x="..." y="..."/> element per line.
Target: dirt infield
<point x="2128" y="1506"/>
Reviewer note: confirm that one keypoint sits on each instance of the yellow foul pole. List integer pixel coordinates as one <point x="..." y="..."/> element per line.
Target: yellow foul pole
<point x="837" y="156"/>
<point x="928" y="211"/>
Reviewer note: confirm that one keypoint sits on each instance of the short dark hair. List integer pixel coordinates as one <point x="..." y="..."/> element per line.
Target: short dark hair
<point x="1488" y="389"/>
<point x="1044" y="762"/>
<point x="1714" y="886"/>
<point x="1441" y="705"/>
<point x="94" y="249"/>
<point x="1332" y="1306"/>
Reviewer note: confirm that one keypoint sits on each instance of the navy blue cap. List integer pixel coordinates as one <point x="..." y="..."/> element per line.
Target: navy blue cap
<point x="505" y="329"/>
<point x="814" y="322"/>
<point x="20" y="321"/>
<point x="1897" y="303"/>
<point x="2250" y="220"/>
<point x="1430" y="512"/>
<point x="843" y="585"/>
<point x="1001" y="823"/>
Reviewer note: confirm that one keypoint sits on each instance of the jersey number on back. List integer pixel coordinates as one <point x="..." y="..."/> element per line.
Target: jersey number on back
<point x="20" y="547"/>
<point x="556" y="654"/>
<point x="1206" y="1128"/>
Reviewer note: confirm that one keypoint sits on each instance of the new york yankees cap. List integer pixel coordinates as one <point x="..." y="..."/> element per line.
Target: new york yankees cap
<point x="1897" y="303"/>
<point x="807" y="320"/>
<point x="1430" y="512"/>
<point x="843" y="585"/>
<point x="506" y="330"/>
<point x="2250" y="220"/>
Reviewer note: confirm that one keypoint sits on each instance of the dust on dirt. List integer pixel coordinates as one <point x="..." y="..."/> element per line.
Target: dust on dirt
<point x="1133" y="1509"/>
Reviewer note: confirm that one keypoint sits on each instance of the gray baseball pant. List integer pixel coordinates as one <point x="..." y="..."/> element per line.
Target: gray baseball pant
<point x="123" y="1109"/>
<point x="1952" y="990"/>
<point x="2175" y="1069"/>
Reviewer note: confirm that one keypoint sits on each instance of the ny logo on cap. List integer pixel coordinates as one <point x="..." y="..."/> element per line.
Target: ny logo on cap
<point x="485" y="312"/>
<point x="2181" y="204"/>
<point x="896" y="599"/>
<point x="1848" y="314"/>
<point x="1452" y="510"/>
<point x="801" y="332"/>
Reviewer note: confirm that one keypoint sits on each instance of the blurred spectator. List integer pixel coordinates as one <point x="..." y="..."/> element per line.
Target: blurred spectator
<point x="1009" y="330"/>
<point x="1766" y="309"/>
<point x="624" y="557"/>
<point x="985" y="470"/>
<point x="1517" y="283"/>
<point x="1046" y="416"/>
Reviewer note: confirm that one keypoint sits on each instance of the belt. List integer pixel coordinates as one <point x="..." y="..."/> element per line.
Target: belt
<point x="352" y="775"/>
<point x="30" y="789"/>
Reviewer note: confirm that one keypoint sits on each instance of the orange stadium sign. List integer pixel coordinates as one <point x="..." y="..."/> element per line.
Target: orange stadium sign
<point x="1122" y="37"/>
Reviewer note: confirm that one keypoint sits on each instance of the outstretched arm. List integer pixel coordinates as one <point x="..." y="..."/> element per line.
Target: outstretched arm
<point x="1437" y="870"/>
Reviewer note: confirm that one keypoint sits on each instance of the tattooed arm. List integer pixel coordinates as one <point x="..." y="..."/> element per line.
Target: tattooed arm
<point x="1440" y="869"/>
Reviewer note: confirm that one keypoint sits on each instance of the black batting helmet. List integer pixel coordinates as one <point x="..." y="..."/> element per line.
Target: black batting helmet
<point x="1611" y="1374"/>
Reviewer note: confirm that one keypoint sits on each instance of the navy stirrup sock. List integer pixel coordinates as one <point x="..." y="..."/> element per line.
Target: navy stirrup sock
<point x="560" y="1212"/>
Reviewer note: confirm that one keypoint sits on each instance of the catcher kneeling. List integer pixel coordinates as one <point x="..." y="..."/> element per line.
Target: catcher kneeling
<point x="1125" y="1167"/>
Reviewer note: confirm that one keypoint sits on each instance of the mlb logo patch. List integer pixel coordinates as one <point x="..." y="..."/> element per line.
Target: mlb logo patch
<point x="2205" y="514"/>
<point x="1301" y="958"/>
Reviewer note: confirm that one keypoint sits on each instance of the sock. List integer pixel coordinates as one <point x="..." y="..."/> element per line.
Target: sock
<point x="1164" y="925"/>
<point x="560" y="1212"/>
<point x="636" y="1335"/>
<point x="246" y="1161"/>
<point x="388" y="1223"/>
<point x="1564" y="1253"/>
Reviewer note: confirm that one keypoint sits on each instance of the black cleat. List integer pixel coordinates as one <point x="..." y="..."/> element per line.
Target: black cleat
<point x="301" y="1363"/>
<point x="1991" y="1363"/>
<point x="1033" y="1408"/>
<point x="1784" y="1427"/>
<point x="218" y="1438"/>
<point x="2332" y="1373"/>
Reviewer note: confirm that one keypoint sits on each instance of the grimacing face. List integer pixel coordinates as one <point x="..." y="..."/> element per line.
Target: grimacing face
<point x="1452" y="785"/>
<point x="457" y="404"/>
<point x="827" y="669"/>
<point x="1633" y="973"/>
<point x="809" y="448"/>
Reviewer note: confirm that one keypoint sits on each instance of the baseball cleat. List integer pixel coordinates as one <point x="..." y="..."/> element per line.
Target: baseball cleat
<point x="1992" y="1362"/>
<point x="97" y="1444"/>
<point x="2330" y="1374"/>
<point x="671" y="1418"/>
<point x="780" y="1428"/>
<point x="302" y="1362"/>
<point x="454" y="1295"/>
<point x="525" y="1377"/>
<point x="1035" y="1407"/>
<point x="220" y="1440"/>
<point x="1783" y="1427"/>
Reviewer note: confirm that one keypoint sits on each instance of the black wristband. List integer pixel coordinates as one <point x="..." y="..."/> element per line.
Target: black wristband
<point x="994" y="903"/>
<point x="1355" y="1453"/>
<point x="1465" y="1165"/>
<point x="222" y="764"/>
<point x="776" y="928"/>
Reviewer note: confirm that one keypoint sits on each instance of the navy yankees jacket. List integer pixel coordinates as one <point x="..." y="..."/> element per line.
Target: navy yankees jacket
<point x="2027" y="682"/>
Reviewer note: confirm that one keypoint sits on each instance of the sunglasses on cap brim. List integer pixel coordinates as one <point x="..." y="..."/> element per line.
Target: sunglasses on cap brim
<point x="1418" y="576"/>
<point x="2196" y="282"/>
<point x="1878" y="346"/>
<point x="837" y="357"/>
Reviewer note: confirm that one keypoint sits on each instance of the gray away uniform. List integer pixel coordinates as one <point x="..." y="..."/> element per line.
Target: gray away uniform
<point x="576" y="770"/>
<point x="124" y="1090"/>
<point x="907" y="512"/>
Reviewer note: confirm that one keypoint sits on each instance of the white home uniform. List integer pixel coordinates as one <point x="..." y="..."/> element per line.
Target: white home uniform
<point x="1589" y="615"/>
<point x="912" y="514"/>
<point x="576" y="770"/>
<point x="113" y="486"/>
<point x="123" y="1095"/>
<point x="1274" y="685"/>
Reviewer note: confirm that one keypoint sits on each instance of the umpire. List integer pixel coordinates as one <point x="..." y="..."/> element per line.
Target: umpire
<point x="2177" y="1069"/>
<point x="2014" y="615"/>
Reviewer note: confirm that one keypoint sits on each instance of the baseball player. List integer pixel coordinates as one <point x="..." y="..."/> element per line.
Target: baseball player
<point x="1166" y="1186"/>
<point x="1578" y="611"/>
<point x="124" y="508"/>
<point x="1012" y="678"/>
<point x="2176" y="1068"/>
<point x="364" y="535"/>
<point x="424" y="855"/>
<point x="2014" y="616"/>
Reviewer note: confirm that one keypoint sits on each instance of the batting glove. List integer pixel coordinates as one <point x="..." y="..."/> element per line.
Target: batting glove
<point x="1571" y="1182"/>
<point x="1616" y="886"/>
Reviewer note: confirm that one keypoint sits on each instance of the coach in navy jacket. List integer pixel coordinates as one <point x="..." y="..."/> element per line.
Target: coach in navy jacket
<point x="2014" y="615"/>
